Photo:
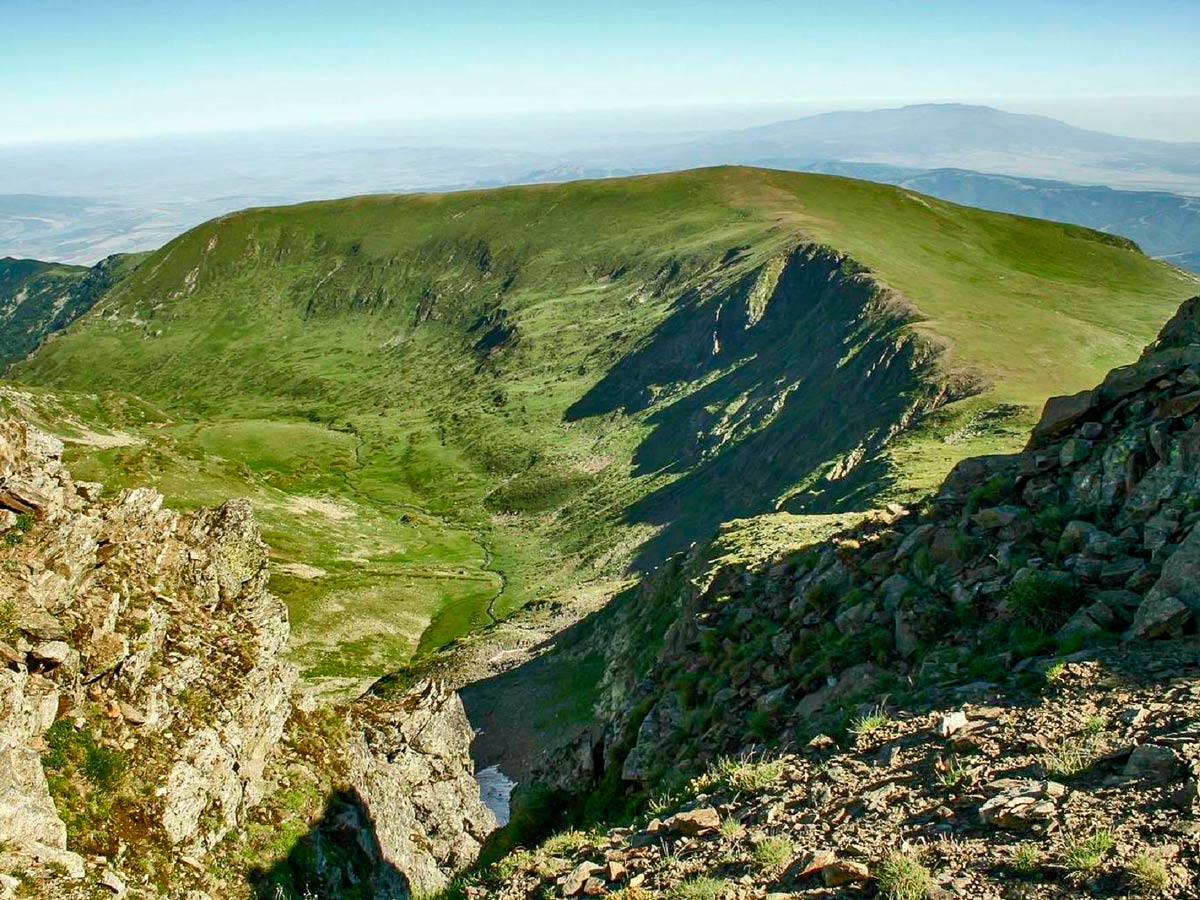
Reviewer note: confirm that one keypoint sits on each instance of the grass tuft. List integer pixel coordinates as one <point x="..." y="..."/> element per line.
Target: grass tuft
<point x="901" y="876"/>
<point x="772" y="852"/>
<point x="702" y="887"/>
<point x="1086" y="854"/>
<point x="870" y="722"/>
<point x="1026" y="858"/>
<point x="1071" y="757"/>
<point x="741" y="775"/>
<point x="1148" y="874"/>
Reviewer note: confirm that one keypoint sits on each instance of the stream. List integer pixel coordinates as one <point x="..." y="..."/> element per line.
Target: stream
<point x="495" y="790"/>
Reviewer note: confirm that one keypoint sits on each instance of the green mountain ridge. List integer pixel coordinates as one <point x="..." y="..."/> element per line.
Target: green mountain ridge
<point x="443" y="406"/>
<point x="39" y="298"/>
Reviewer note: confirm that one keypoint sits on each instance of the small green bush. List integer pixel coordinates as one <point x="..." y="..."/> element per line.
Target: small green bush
<point x="8" y="620"/>
<point x="773" y="852"/>
<point x="994" y="491"/>
<point x="564" y="843"/>
<point x="69" y="747"/>
<point x="1043" y="602"/>
<point x="1086" y="854"/>
<point x="1148" y="874"/>
<point x="965" y="547"/>
<point x="759" y="722"/>
<point x="701" y="887"/>
<point x="901" y="876"/>
<point x="1026" y="858"/>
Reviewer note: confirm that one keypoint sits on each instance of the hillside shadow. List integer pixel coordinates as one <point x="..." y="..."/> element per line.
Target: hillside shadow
<point x="764" y="387"/>
<point x="339" y="858"/>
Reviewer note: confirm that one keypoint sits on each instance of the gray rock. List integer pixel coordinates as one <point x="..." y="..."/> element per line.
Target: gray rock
<point x="1118" y="571"/>
<point x="1159" y="617"/>
<point x="919" y="535"/>
<point x="853" y="680"/>
<point x="51" y="653"/>
<point x="1075" y="535"/>
<point x="996" y="517"/>
<point x="896" y="588"/>
<point x="1180" y="576"/>
<point x="1082" y="623"/>
<point x="1152" y="762"/>
<point x="1073" y="451"/>
<point x="851" y="620"/>
<point x="951" y="722"/>
<point x="573" y="881"/>
<point x="1021" y="804"/>
<point x="1061" y="414"/>
<point x="111" y="880"/>
<point x="906" y="631"/>
<point x="409" y="761"/>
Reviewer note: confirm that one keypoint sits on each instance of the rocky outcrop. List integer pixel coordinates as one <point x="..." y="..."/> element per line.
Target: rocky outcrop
<point x="991" y="691"/>
<point x="144" y="696"/>
<point x="143" y="670"/>
<point x="407" y="762"/>
<point x="1087" y="536"/>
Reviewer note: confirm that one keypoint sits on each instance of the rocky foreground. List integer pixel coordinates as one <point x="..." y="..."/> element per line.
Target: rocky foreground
<point x="1082" y="783"/>
<point x="149" y="743"/>
<point x="994" y="695"/>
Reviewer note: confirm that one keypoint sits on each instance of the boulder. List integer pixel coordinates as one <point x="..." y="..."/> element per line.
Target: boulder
<point x="844" y="871"/>
<point x="996" y="517"/>
<point x="575" y="880"/>
<point x="1159" y="617"/>
<point x="1152" y="762"/>
<point x="1021" y="804"/>
<point x="951" y="722"/>
<point x="694" y="822"/>
<point x="1180" y="576"/>
<point x="854" y="680"/>
<point x="1074" y="450"/>
<point x="1061" y="414"/>
<point x="51" y="653"/>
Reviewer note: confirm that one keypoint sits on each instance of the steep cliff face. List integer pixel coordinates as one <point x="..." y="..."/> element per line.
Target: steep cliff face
<point x="144" y="699"/>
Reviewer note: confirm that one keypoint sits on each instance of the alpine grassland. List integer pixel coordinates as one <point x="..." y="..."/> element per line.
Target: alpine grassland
<point x="443" y="406"/>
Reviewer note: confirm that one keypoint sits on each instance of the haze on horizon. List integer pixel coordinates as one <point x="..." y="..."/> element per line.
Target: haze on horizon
<point x="119" y="69"/>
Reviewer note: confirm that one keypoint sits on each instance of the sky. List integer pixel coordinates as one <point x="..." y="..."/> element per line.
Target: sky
<point x="87" y="69"/>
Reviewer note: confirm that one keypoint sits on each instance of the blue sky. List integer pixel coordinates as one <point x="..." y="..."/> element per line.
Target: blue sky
<point x="74" y="69"/>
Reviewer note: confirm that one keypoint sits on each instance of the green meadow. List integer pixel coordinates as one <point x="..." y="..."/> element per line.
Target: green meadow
<point x="445" y="406"/>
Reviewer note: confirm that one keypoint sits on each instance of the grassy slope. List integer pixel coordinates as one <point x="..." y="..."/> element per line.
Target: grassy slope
<point x="39" y="298"/>
<point x="320" y="358"/>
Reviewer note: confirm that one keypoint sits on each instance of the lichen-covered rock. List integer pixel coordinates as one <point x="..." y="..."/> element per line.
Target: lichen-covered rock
<point x="408" y="761"/>
<point x="144" y="696"/>
<point x="119" y="604"/>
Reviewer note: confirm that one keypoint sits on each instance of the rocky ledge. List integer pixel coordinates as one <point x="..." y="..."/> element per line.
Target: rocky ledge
<point x="147" y="724"/>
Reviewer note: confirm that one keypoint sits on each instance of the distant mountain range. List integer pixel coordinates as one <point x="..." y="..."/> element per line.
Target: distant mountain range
<point x="951" y="135"/>
<point x="79" y="207"/>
